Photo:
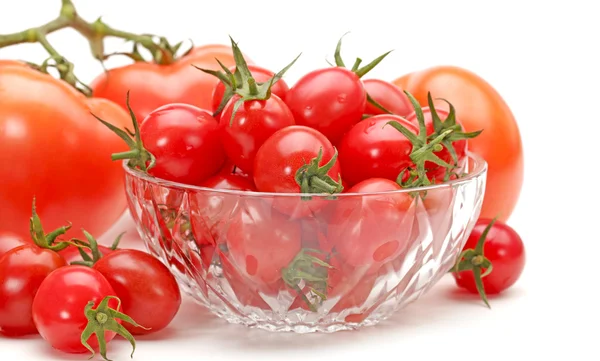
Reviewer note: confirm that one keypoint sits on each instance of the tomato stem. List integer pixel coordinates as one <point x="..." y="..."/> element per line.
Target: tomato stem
<point x="95" y="33"/>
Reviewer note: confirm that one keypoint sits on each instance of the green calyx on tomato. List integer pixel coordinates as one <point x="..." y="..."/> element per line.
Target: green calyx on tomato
<point x="361" y="71"/>
<point x="440" y="127"/>
<point x="42" y="239"/>
<point x="474" y="260"/>
<point x="311" y="270"/>
<point x="241" y="82"/>
<point x="423" y="149"/>
<point x="102" y="319"/>
<point x="313" y="178"/>
<point x="92" y="245"/>
<point x="139" y="157"/>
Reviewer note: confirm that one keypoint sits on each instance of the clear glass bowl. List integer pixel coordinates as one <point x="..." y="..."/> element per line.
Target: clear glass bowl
<point x="287" y="262"/>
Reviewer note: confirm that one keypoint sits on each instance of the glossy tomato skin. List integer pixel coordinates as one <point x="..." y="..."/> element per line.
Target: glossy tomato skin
<point x="185" y="141"/>
<point x="22" y="271"/>
<point x="330" y="100"/>
<point x="280" y="157"/>
<point x="254" y="122"/>
<point x="504" y="248"/>
<point x="372" y="149"/>
<point x="8" y="241"/>
<point x="148" y="291"/>
<point x="261" y="75"/>
<point x="261" y="241"/>
<point x="153" y="85"/>
<point x="72" y="138"/>
<point x="59" y="304"/>
<point x="499" y="143"/>
<point x="278" y="160"/>
<point x="388" y="96"/>
<point x="378" y="224"/>
<point x="231" y="181"/>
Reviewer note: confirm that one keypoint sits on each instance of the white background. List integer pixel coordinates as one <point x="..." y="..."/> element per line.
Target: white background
<point x="543" y="59"/>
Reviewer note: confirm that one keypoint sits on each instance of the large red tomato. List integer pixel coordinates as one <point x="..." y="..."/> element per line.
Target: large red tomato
<point x="153" y="85"/>
<point x="479" y="106"/>
<point x="51" y="147"/>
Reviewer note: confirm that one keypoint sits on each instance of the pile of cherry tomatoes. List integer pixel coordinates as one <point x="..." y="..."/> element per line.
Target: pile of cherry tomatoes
<point x="77" y="294"/>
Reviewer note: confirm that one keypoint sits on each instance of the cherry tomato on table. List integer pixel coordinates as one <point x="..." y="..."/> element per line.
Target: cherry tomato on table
<point x="388" y="96"/>
<point x="147" y="289"/>
<point x="502" y="247"/>
<point x="22" y="271"/>
<point x="58" y="307"/>
<point x="500" y="142"/>
<point x="61" y="120"/>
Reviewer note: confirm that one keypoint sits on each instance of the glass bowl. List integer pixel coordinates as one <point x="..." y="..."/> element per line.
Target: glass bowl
<point x="292" y="262"/>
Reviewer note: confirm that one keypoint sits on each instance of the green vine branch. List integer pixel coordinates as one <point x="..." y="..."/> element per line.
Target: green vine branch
<point x="95" y="33"/>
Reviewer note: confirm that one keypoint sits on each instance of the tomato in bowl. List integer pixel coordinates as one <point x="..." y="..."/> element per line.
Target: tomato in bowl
<point x="352" y="261"/>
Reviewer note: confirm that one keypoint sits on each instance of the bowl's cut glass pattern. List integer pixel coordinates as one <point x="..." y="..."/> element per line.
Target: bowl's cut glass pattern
<point x="287" y="263"/>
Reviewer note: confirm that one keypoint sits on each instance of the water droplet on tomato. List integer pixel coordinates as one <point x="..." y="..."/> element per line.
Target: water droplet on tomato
<point x="342" y="98"/>
<point x="370" y="127"/>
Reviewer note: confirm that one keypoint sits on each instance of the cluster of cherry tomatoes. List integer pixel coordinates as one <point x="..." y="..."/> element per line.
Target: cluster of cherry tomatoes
<point x="77" y="294"/>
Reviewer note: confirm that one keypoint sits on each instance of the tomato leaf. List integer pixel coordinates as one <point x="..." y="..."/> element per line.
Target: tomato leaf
<point x="42" y="240"/>
<point x="313" y="178"/>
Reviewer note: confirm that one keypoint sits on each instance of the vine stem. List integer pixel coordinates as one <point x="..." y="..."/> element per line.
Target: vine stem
<point x="95" y="33"/>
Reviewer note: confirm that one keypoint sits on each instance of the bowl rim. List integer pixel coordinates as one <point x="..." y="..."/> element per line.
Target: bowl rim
<point x="479" y="169"/>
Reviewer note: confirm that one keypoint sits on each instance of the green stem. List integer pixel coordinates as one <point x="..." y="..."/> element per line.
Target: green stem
<point x="252" y="86"/>
<point x="321" y="185"/>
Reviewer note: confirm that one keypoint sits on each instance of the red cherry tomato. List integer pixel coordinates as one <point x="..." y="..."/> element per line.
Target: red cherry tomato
<point x="261" y="75"/>
<point x="371" y="229"/>
<point x="254" y="122"/>
<point x="185" y="141"/>
<point x="245" y="290"/>
<point x="22" y="271"/>
<point x="388" y="96"/>
<point x="58" y="307"/>
<point x="330" y="100"/>
<point x="8" y="241"/>
<point x="261" y="241"/>
<point x="372" y="149"/>
<point x="504" y="248"/>
<point x="279" y="159"/>
<point x="148" y="291"/>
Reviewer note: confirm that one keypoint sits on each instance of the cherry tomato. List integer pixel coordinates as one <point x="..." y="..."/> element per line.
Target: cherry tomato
<point x="261" y="75"/>
<point x="254" y="122"/>
<point x="279" y="159"/>
<point x="154" y="85"/>
<point x="261" y="241"/>
<point x="246" y="291"/>
<point x="185" y="141"/>
<point x="330" y="100"/>
<point x="58" y="307"/>
<point x="504" y="248"/>
<point x="148" y="291"/>
<point x="372" y="149"/>
<point x="479" y="106"/>
<point x="22" y="271"/>
<point x="388" y="96"/>
<point x="35" y="109"/>
<point x="8" y="241"/>
<point x="371" y="229"/>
